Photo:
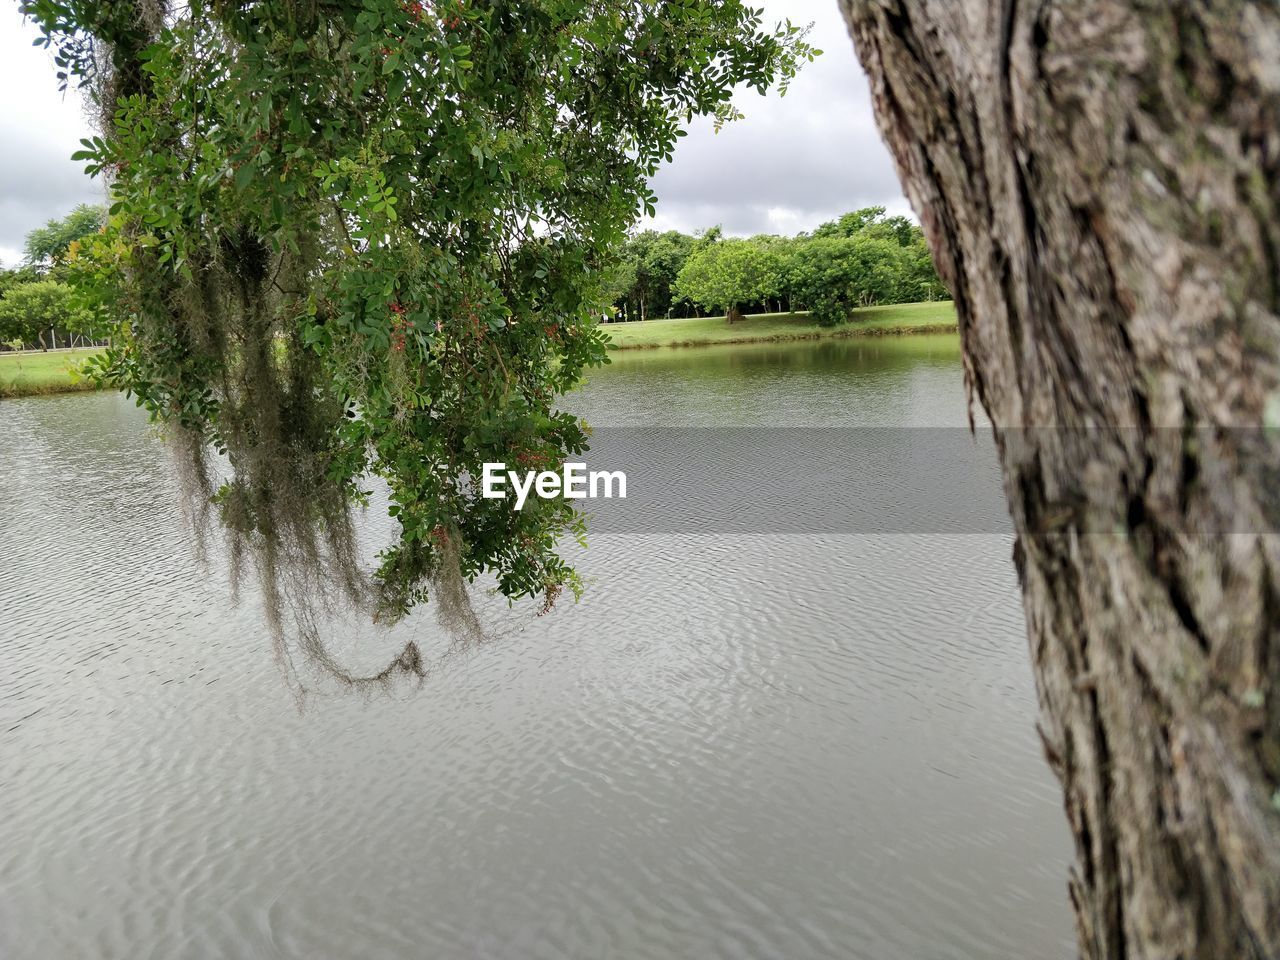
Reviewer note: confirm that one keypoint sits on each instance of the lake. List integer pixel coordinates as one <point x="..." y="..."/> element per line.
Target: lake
<point x="737" y="745"/>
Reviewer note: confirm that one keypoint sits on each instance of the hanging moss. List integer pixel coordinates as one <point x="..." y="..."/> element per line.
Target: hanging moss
<point x="365" y="242"/>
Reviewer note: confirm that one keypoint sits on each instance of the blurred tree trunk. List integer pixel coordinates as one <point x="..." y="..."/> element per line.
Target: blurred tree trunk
<point x="1099" y="181"/>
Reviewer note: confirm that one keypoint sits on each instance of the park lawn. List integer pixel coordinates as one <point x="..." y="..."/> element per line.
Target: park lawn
<point x="936" y="317"/>
<point x="27" y="373"/>
<point x="31" y="372"/>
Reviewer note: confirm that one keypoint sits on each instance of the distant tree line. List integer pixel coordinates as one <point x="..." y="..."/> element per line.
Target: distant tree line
<point x="861" y="259"/>
<point x="38" y="308"/>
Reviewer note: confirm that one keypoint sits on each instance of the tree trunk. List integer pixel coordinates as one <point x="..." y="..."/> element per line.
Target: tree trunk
<point x="1099" y="181"/>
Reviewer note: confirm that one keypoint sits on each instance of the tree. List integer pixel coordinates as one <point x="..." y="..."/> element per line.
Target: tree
<point x="47" y="245"/>
<point x="660" y="257"/>
<point x="619" y="282"/>
<point x="29" y="310"/>
<point x="921" y="281"/>
<point x="650" y="262"/>
<point x="888" y="263"/>
<point x="833" y="274"/>
<point x="851" y="223"/>
<point x="10" y="335"/>
<point x="16" y="276"/>
<point x="727" y="274"/>
<point x="1101" y="190"/>
<point x="917" y="278"/>
<point x="371" y="239"/>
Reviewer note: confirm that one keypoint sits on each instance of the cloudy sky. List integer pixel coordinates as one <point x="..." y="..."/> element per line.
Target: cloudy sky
<point x="794" y="162"/>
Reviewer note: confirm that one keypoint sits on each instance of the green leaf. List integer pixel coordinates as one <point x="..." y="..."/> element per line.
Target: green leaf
<point x="454" y="261"/>
<point x="243" y="177"/>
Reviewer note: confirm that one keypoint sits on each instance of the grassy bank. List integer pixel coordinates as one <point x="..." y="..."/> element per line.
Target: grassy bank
<point x="28" y="373"/>
<point x="938" y="317"/>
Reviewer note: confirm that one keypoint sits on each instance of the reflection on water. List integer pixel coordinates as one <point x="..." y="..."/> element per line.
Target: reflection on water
<point x="735" y="746"/>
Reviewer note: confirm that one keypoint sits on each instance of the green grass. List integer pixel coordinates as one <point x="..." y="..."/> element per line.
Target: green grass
<point x="937" y="317"/>
<point x="28" y="373"/>
<point x="31" y="372"/>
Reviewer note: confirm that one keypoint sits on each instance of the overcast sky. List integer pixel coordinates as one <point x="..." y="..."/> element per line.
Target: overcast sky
<point x="794" y="162"/>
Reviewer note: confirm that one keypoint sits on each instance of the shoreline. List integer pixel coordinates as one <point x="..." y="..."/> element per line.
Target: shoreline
<point x="9" y="391"/>
<point x="834" y="333"/>
<point x="36" y="374"/>
<point x="39" y="373"/>
<point x="902" y="319"/>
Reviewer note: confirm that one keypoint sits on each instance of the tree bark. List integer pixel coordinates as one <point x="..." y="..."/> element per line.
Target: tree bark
<point x="1099" y="181"/>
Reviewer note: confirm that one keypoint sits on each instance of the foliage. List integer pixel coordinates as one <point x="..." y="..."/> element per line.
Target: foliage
<point x="13" y="277"/>
<point x="353" y="239"/>
<point x="618" y="282"/>
<point x="871" y="221"/>
<point x="922" y="280"/>
<point x="27" y="309"/>
<point x="665" y="274"/>
<point x="851" y="223"/>
<point x="651" y="261"/>
<point x="766" y="271"/>
<point x="727" y="273"/>
<point x="902" y="318"/>
<point x="48" y="245"/>
<point x="834" y="274"/>
<point x="918" y="279"/>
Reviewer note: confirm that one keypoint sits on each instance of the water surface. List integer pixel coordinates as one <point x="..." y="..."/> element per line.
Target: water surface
<point x="816" y="746"/>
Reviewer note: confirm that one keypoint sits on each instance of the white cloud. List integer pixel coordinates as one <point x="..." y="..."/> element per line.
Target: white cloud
<point x="40" y="129"/>
<point x="794" y="161"/>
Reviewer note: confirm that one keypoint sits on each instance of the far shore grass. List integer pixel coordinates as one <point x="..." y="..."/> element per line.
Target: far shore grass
<point x="906" y="318"/>
<point x="28" y="373"/>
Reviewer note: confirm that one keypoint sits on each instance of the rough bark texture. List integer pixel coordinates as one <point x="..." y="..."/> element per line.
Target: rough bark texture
<point x="1100" y="183"/>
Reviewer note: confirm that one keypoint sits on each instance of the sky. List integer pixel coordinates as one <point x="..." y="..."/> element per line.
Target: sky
<point x="792" y="163"/>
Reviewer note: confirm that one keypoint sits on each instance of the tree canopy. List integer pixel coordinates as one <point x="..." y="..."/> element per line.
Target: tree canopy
<point x="859" y="259"/>
<point x="833" y="274"/>
<point x="368" y="239"/>
<point x="654" y="260"/>
<point x="48" y="245"/>
<point x="720" y="276"/>
<point x="35" y="297"/>
<point x="29" y="308"/>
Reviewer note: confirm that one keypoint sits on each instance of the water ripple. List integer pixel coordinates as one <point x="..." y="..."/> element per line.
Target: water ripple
<point x="735" y="747"/>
